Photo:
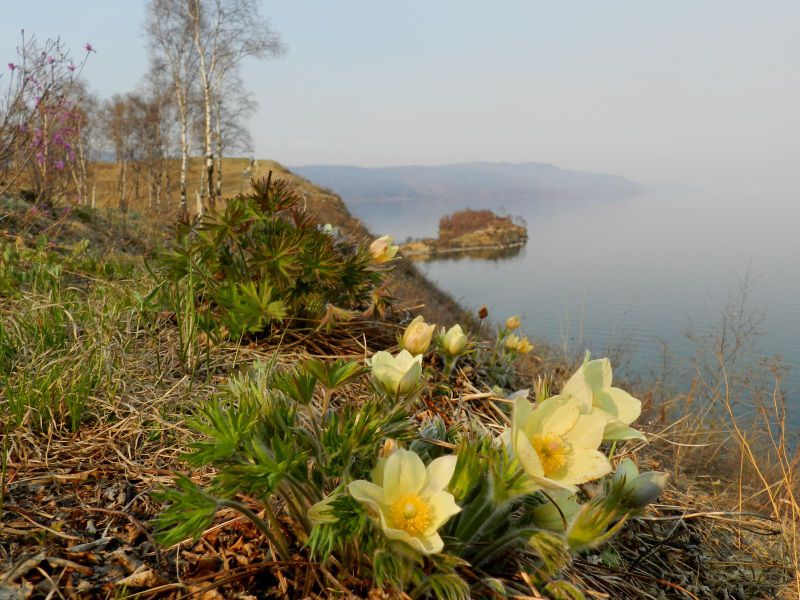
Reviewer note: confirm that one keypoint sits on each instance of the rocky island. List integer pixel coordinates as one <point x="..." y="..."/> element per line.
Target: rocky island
<point x="470" y="231"/>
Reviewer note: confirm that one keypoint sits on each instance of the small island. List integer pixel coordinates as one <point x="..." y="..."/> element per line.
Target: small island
<point x="470" y="231"/>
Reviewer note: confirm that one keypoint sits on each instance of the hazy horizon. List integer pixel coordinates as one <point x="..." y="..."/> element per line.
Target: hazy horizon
<point x="682" y="92"/>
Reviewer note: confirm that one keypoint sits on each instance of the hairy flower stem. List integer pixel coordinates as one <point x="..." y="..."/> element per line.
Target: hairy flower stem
<point x="449" y="366"/>
<point x="326" y="400"/>
<point x="291" y="498"/>
<point x="491" y="550"/>
<point x="475" y="515"/>
<point x="275" y="537"/>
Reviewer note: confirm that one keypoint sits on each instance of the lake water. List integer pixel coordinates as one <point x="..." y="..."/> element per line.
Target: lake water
<point x="598" y="274"/>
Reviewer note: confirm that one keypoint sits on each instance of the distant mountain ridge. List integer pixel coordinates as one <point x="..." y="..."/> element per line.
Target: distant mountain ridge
<point x="476" y="181"/>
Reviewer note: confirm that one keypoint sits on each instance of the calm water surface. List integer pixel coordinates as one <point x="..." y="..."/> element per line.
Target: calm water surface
<point x="633" y="272"/>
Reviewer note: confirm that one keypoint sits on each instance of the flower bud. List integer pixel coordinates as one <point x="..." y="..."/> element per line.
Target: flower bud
<point x="454" y="341"/>
<point x="513" y="322"/>
<point x="322" y="511"/>
<point x="639" y="489"/>
<point x="417" y="336"/>
<point x="399" y="375"/>
<point x="556" y="514"/>
<point x="483" y="312"/>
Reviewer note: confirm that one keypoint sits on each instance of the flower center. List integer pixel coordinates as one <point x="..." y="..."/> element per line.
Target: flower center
<point x="411" y="513"/>
<point x="553" y="451"/>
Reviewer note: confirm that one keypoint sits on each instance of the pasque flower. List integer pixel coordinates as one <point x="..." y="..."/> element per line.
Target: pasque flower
<point x="591" y="386"/>
<point x="397" y="375"/>
<point x="410" y="500"/>
<point x="524" y="346"/>
<point x="454" y="341"/>
<point x="514" y="343"/>
<point x="555" y="444"/>
<point x="639" y="490"/>
<point x="556" y="513"/>
<point x="382" y="249"/>
<point x="417" y="336"/>
<point x="513" y="322"/>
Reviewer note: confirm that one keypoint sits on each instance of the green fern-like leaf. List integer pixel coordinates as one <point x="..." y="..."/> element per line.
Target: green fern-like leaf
<point x="190" y="512"/>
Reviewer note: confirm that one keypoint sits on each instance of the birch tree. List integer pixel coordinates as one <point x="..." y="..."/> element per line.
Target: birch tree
<point x="224" y="32"/>
<point x="169" y="29"/>
<point x="232" y="109"/>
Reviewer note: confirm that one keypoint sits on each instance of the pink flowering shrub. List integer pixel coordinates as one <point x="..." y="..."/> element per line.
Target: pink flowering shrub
<point x="40" y="118"/>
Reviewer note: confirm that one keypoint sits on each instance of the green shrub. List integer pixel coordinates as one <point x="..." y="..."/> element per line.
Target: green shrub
<point x="262" y="258"/>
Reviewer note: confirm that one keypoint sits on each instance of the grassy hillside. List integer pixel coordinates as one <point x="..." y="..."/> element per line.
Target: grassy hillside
<point x="110" y="376"/>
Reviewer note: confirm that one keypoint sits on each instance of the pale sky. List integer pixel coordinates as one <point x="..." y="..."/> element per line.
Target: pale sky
<point x="687" y="91"/>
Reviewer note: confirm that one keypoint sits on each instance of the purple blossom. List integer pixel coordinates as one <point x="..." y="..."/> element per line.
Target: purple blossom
<point x="88" y="47"/>
<point x="59" y="165"/>
<point x="71" y="67"/>
<point x="50" y="60"/>
<point x="11" y="66"/>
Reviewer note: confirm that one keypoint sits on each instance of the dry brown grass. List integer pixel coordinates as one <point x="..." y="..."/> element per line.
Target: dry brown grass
<point x="738" y="467"/>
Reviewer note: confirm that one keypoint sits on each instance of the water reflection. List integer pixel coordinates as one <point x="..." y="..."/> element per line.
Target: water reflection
<point x="597" y="274"/>
<point x="488" y="254"/>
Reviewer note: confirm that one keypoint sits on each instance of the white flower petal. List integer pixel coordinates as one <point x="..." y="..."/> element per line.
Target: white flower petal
<point x="586" y="465"/>
<point x="444" y="506"/>
<point x="403" y="536"/>
<point x="439" y="473"/>
<point x="368" y="493"/>
<point x="526" y="455"/>
<point x="411" y="378"/>
<point x="404" y="473"/>
<point x="424" y="545"/>
<point x="431" y="544"/>
<point x="556" y="415"/>
<point x="619" y="403"/>
<point x="587" y="431"/>
<point x="598" y="373"/>
<point x="577" y="387"/>
<point x="404" y="360"/>
<point x="552" y="484"/>
<point x="618" y="431"/>
<point x="505" y="439"/>
<point x="381" y="358"/>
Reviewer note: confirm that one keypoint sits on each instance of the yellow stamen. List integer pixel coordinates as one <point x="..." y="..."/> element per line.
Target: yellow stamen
<point x="552" y="450"/>
<point x="411" y="513"/>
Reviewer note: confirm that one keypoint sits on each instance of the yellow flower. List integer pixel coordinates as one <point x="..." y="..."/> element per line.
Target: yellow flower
<point x="454" y="341"/>
<point x="524" y="346"/>
<point x="417" y="336"/>
<point x="410" y="500"/>
<point x="555" y="444"/>
<point x="382" y="250"/>
<point x="512" y="342"/>
<point x="513" y="322"/>
<point x="591" y="386"/>
<point x="397" y="375"/>
<point x="515" y="343"/>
